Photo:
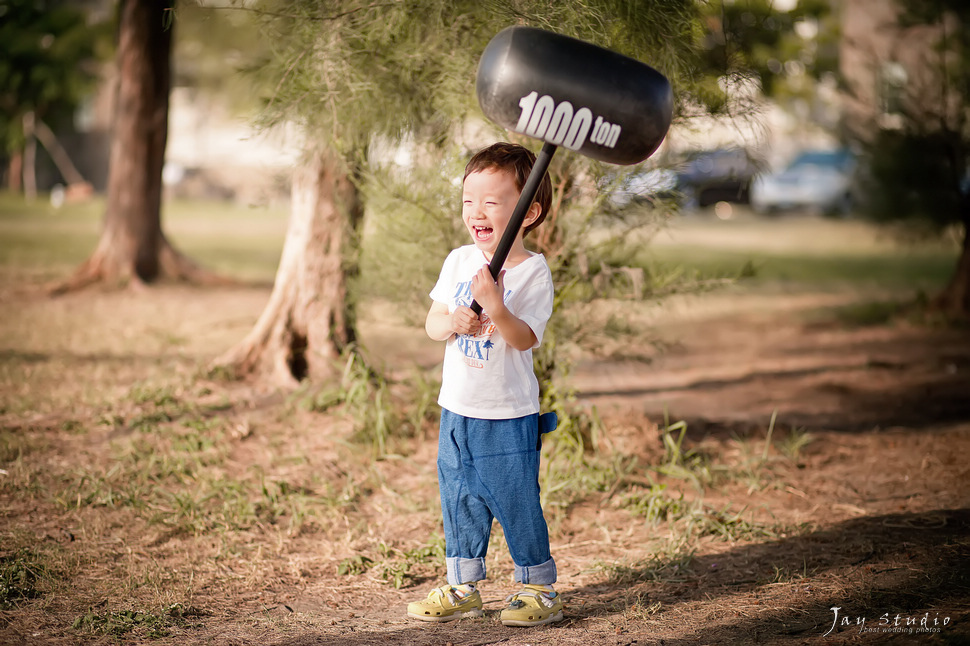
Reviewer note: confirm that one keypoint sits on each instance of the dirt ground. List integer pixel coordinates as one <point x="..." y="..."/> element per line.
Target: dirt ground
<point x="871" y="514"/>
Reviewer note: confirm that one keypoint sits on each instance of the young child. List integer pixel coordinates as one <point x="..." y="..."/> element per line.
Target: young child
<point x="488" y="443"/>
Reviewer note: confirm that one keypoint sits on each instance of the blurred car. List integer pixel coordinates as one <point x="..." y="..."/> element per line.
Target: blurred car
<point x="821" y="180"/>
<point x="700" y="178"/>
<point x="643" y="187"/>
<point x="720" y="175"/>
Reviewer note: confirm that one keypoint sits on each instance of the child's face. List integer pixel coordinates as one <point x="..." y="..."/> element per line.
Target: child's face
<point x="488" y="199"/>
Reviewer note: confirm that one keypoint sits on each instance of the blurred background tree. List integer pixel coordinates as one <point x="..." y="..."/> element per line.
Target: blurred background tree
<point x="788" y="52"/>
<point x="50" y="59"/>
<point x="362" y="80"/>
<point x="900" y="71"/>
<point x="919" y="149"/>
<point x="133" y="249"/>
<point x="345" y="73"/>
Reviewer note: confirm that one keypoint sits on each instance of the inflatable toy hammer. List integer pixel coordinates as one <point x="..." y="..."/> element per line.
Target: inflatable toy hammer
<point x="570" y="93"/>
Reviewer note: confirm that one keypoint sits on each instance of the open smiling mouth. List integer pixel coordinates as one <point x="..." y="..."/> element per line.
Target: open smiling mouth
<point x="483" y="233"/>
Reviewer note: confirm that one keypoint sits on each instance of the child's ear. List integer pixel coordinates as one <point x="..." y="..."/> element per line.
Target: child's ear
<point x="534" y="211"/>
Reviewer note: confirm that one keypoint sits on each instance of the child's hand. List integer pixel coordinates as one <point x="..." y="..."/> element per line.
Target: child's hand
<point x="489" y="293"/>
<point x="464" y="320"/>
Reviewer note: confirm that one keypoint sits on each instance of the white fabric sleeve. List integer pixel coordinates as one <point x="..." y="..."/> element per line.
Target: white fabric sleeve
<point x="441" y="293"/>
<point x="535" y="304"/>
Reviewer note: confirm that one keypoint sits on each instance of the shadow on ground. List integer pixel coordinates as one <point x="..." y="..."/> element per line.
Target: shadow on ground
<point x="912" y="379"/>
<point x="877" y="568"/>
<point x="905" y="564"/>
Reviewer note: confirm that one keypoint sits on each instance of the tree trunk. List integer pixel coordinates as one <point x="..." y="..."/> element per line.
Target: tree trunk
<point x="133" y="249"/>
<point x="309" y="320"/>
<point x="30" y="159"/>
<point x="15" y="174"/>
<point x="955" y="299"/>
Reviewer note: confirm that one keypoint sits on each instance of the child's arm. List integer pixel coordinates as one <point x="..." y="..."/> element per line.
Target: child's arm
<point x="490" y="295"/>
<point x="441" y="324"/>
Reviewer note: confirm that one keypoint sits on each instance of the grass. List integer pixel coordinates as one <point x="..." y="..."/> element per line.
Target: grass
<point x="396" y="567"/>
<point x="134" y="623"/>
<point x="20" y="573"/>
<point x="803" y="253"/>
<point x="364" y="395"/>
<point x="172" y="475"/>
<point x="244" y="242"/>
<point x="670" y="566"/>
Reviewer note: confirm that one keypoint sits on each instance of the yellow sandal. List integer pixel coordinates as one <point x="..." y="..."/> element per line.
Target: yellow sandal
<point x="532" y="606"/>
<point x="443" y="604"/>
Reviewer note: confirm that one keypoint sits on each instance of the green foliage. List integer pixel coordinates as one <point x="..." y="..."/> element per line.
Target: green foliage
<point x="742" y="36"/>
<point x="920" y="12"/>
<point x="169" y="470"/>
<point x="690" y="520"/>
<point x="399" y="568"/>
<point x="365" y="78"/>
<point x="187" y="493"/>
<point x="20" y="572"/>
<point x="918" y="172"/>
<point x="671" y="567"/>
<point x="214" y="45"/>
<point x="871" y="313"/>
<point x="918" y="176"/>
<point x="787" y="52"/>
<point x="726" y="525"/>
<point x="573" y="462"/>
<point x="682" y="462"/>
<point x="789" y="575"/>
<point x="354" y="565"/>
<point x="148" y="625"/>
<point x="348" y="71"/>
<point x="654" y="504"/>
<point x="13" y="445"/>
<point x="365" y="396"/>
<point x="415" y="221"/>
<point x="664" y="34"/>
<point x="794" y="442"/>
<point x="48" y="55"/>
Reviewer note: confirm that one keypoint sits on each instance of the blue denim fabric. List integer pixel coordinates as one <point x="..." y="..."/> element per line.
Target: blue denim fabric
<point x="489" y="469"/>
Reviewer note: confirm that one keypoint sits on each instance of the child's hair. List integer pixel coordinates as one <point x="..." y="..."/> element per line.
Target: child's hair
<point x="516" y="160"/>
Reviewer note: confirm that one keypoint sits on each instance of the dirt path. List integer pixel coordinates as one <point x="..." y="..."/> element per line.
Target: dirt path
<point x="738" y="369"/>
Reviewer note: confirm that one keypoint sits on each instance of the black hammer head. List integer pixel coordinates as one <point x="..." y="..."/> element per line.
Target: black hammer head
<point x="573" y="94"/>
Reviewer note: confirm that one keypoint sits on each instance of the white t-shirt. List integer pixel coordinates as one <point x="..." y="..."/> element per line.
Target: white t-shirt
<point x="483" y="377"/>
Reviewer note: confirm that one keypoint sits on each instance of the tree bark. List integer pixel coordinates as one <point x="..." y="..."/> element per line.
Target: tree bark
<point x="954" y="300"/>
<point x="133" y="249"/>
<point x="15" y="172"/>
<point x="30" y="158"/>
<point x="309" y="320"/>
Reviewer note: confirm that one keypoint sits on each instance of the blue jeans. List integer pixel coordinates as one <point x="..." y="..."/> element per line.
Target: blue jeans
<point x="489" y="469"/>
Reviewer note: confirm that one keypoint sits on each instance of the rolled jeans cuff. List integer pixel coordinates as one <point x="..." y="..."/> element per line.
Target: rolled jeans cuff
<point x="543" y="574"/>
<point x="462" y="570"/>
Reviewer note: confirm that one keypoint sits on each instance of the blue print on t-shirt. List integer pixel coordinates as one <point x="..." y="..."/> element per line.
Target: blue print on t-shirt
<point x="463" y="294"/>
<point x="475" y="347"/>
